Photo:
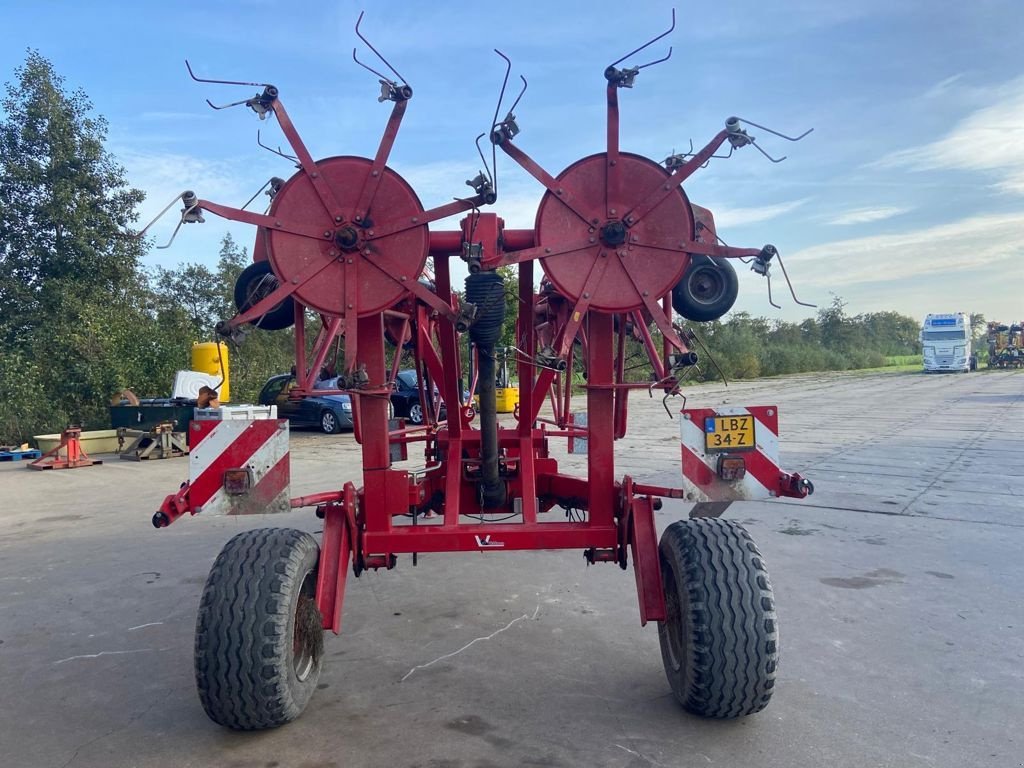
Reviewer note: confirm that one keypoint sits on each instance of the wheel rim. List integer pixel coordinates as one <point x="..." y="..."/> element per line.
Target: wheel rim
<point x="416" y="413"/>
<point x="259" y="289"/>
<point x="303" y="658"/>
<point x="328" y="422"/>
<point x="706" y="285"/>
<point x="676" y="646"/>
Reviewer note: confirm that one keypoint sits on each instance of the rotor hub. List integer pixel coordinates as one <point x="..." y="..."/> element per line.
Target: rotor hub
<point x="347" y="238"/>
<point x="613" y="234"/>
<point x="343" y="271"/>
<point x="642" y="262"/>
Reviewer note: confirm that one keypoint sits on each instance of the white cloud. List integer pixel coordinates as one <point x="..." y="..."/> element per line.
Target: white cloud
<point x="989" y="140"/>
<point x="865" y="215"/>
<point x="163" y="175"/>
<point x="942" y="87"/>
<point x="735" y="217"/>
<point x="974" y="244"/>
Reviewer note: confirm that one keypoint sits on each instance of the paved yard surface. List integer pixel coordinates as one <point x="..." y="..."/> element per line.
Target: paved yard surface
<point x="899" y="589"/>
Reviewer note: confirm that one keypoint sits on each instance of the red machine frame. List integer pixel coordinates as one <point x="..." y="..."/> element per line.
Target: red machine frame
<point x="348" y="239"/>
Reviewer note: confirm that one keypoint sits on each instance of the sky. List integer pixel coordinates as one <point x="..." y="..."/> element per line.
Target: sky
<point x="908" y="195"/>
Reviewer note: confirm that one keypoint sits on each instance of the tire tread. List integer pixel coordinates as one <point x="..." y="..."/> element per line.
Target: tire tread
<point x="242" y="642"/>
<point x="728" y="618"/>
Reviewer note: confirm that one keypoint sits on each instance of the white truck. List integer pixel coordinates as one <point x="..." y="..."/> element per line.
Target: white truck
<point x="946" y="343"/>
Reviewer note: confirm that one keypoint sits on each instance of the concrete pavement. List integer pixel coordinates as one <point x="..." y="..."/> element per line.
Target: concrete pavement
<point x="898" y="586"/>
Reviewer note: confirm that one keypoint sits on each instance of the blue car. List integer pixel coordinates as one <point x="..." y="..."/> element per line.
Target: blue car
<point x="329" y="413"/>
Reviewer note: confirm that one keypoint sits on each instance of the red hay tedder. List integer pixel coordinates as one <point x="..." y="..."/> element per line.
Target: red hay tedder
<point x="620" y="247"/>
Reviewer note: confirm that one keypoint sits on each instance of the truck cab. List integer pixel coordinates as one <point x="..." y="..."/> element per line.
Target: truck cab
<point x="946" y="343"/>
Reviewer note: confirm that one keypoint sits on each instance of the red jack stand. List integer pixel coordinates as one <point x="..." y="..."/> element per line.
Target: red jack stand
<point x="73" y="456"/>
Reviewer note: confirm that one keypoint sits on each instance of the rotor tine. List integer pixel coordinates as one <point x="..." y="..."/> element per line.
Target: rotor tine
<point x="776" y="133"/>
<point x="516" y="102"/>
<point x="141" y="233"/>
<point x="504" y="83"/>
<point x="790" y="283"/>
<point x="174" y="234"/>
<point x="265" y="185"/>
<point x="692" y="334"/>
<point x="497" y="111"/>
<point x="649" y="43"/>
<point x="758" y="148"/>
<point x="483" y="159"/>
<point x="276" y="152"/>
<point x="220" y="82"/>
<point x="370" y="46"/>
<point x="384" y="78"/>
<point x="770" y="300"/>
<point x="225" y="106"/>
<point x="657" y="61"/>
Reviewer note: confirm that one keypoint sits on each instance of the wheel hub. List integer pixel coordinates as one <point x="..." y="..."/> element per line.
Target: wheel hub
<point x="706" y="286"/>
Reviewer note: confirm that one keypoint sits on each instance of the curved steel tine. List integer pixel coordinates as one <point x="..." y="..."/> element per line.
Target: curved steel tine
<point x="221" y="82"/>
<point x="704" y="348"/>
<point x="265" y="185"/>
<point x="789" y="282"/>
<point x="649" y="42"/>
<point x="770" y="299"/>
<point x="370" y="46"/>
<point x="174" y="234"/>
<point x="225" y="106"/>
<point x="657" y="61"/>
<point x="776" y="133"/>
<point x="497" y="111"/>
<point x="141" y="233"/>
<point x="276" y="152"/>
<point x="725" y="157"/>
<point x="758" y="148"/>
<point x="383" y="77"/>
<point x="516" y="102"/>
<point x="483" y="159"/>
<point x="504" y="84"/>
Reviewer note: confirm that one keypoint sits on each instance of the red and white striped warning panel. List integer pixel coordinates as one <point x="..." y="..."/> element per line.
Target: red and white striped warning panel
<point x="730" y="453"/>
<point x="239" y="467"/>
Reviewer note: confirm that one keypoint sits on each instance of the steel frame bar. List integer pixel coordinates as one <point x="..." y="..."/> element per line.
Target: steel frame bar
<point x="380" y="160"/>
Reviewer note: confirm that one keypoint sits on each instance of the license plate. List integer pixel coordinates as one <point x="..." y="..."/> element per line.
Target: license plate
<point x="728" y="433"/>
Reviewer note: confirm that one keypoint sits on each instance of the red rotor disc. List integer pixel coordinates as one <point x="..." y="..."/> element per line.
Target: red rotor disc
<point x="293" y="255"/>
<point x="640" y="268"/>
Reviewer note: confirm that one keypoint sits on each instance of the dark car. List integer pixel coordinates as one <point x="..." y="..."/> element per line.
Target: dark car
<point x="330" y="413"/>
<point x="405" y="399"/>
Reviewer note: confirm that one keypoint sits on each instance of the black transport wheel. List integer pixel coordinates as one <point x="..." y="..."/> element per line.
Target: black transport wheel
<point x="708" y="289"/>
<point x="256" y="282"/>
<point x="719" y="642"/>
<point x="329" y="422"/>
<point x="416" y="413"/>
<point x="259" y="639"/>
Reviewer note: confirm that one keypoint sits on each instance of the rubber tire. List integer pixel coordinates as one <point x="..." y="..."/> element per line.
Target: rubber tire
<point x="416" y="408"/>
<point x="244" y="631"/>
<point x="720" y="639"/>
<point x="280" y="317"/>
<point x="687" y="302"/>
<point x="335" y="425"/>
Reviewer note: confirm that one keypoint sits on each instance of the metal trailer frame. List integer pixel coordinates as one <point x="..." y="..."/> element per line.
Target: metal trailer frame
<point x="347" y="238"/>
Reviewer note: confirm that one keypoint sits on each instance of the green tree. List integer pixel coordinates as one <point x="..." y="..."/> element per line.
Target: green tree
<point x="65" y="200"/>
<point x="75" y="321"/>
<point x="508" y="329"/>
